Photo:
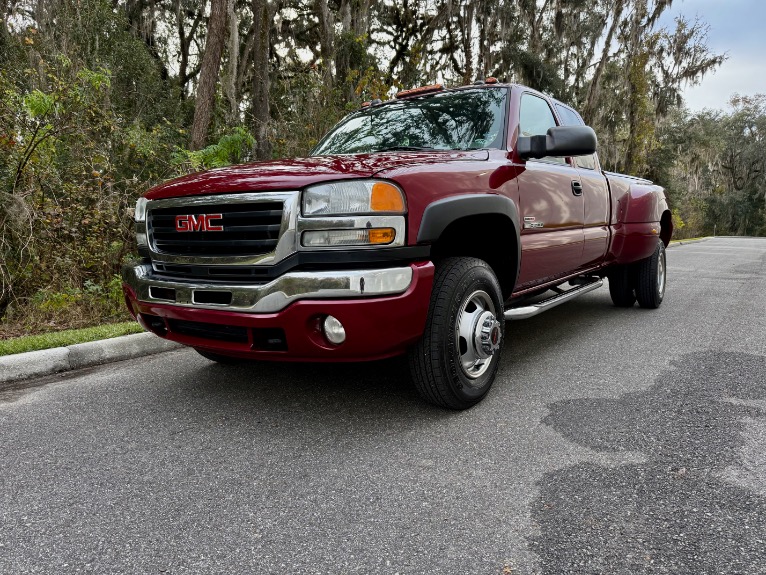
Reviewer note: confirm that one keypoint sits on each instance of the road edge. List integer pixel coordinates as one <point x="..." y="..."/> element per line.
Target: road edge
<point x="674" y="243"/>
<point x="21" y="366"/>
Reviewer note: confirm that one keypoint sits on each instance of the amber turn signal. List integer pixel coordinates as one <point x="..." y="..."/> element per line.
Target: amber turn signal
<point x="382" y="235"/>
<point x="351" y="237"/>
<point x="386" y="198"/>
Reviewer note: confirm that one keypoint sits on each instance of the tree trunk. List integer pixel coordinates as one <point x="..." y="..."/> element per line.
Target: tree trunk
<point x="262" y="14"/>
<point x="585" y="60"/>
<point x="230" y="86"/>
<point x="326" y="40"/>
<point x="640" y="120"/>
<point x="209" y="72"/>
<point x="342" y="55"/>
<point x="4" y="35"/>
<point x="184" y="44"/>
<point x="595" y="84"/>
<point x="466" y="24"/>
<point x="353" y="15"/>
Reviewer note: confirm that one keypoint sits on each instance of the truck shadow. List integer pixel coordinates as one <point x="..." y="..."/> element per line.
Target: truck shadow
<point x="384" y="384"/>
<point x="539" y="335"/>
<point x="381" y="386"/>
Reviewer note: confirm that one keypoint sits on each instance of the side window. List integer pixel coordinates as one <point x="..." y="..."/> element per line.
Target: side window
<point x="570" y="118"/>
<point x="535" y="117"/>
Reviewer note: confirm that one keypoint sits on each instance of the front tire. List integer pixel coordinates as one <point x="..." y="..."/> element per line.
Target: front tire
<point x="651" y="279"/>
<point x="455" y="362"/>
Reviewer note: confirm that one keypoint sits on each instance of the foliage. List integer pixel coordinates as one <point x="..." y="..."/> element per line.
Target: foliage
<point x="233" y="148"/>
<point x="71" y="167"/>
<point x="713" y="165"/>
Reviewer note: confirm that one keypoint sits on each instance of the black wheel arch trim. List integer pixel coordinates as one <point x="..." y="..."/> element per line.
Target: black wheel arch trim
<point x="440" y="214"/>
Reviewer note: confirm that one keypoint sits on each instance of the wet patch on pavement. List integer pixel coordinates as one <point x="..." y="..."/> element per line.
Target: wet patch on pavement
<point x="682" y="511"/>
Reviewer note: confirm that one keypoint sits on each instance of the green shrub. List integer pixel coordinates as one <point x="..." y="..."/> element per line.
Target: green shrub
<point x="233" y="148"/>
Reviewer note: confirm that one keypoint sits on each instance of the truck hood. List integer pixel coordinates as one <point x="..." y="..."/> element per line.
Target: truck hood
<point x="294" y="174"/>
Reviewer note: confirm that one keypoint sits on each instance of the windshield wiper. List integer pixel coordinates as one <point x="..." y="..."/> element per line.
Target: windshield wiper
<point x="404" y="148"/>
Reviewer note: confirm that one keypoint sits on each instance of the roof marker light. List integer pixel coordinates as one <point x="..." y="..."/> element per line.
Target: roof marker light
<point x="419" y="91"/>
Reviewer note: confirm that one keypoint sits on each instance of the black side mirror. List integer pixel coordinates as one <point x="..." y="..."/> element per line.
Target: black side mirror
<point x="562" y="141"/>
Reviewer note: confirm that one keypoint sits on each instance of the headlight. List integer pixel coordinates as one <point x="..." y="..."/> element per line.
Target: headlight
<point x="353" y="197"/>
<point x="140" y="213"/>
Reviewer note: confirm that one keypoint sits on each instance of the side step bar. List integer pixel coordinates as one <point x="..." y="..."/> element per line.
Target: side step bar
<point x="546" y="304"/>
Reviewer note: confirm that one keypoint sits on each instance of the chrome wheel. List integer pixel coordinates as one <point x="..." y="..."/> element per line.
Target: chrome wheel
<point x="477" y="334"/>
<point x="661" y="274"/>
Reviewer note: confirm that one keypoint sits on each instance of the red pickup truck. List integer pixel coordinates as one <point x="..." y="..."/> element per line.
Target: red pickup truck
<point x="418" y="225"/>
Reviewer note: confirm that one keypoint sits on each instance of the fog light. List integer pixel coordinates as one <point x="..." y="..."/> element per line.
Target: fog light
<point x="333" y="330"/>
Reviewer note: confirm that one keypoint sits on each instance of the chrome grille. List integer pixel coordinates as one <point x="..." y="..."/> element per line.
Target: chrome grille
<point x="248" y="229"/>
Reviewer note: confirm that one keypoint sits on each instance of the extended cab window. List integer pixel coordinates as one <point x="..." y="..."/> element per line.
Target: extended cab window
<point x="460" y="120"/>
<point x="571" y="118"/>
<point x="535" y="117"/>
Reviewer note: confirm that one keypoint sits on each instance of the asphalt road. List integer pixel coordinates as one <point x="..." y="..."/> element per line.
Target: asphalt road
<point x="615" y="441"/>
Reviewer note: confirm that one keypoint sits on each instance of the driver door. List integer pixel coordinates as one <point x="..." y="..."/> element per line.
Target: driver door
<point x="550" y="204"/>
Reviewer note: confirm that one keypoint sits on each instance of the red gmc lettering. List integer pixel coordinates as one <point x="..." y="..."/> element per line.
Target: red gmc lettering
<point x="199" y="223"/>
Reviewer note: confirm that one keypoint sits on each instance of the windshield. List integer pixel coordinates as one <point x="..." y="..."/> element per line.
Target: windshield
<point x="460" y="120"/>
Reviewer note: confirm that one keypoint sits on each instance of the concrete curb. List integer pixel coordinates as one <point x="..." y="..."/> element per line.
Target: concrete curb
<point x="48" y="361"/>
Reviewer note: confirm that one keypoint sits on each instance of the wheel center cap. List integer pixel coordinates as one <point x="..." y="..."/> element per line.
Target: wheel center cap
<point x="487" y="335"/>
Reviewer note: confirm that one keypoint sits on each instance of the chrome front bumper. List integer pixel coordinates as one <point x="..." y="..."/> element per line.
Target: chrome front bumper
<point x="269" y="297"/>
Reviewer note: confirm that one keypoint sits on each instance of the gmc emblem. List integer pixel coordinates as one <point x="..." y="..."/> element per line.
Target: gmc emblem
<point x="199" y="223"/>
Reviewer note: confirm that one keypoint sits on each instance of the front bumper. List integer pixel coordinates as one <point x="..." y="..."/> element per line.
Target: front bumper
<point x="268" y="297"/>
<point x="382" y="310"/>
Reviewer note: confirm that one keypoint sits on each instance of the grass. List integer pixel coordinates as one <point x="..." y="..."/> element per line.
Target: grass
<point x="66" y="337"/>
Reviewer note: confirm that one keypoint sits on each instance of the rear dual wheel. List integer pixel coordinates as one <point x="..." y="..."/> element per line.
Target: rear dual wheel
<point x="455" y="362"/>
<point x="622" y="286"/>
<point x="651" y="279"/>
<point x="643" y="281"/>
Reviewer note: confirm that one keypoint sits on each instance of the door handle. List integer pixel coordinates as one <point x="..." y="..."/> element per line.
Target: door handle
<point x="576" y="188"/>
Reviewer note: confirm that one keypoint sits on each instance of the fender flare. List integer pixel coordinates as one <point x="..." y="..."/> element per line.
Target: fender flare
<point x="440" y="214"/>
<point x="642" y="203"/>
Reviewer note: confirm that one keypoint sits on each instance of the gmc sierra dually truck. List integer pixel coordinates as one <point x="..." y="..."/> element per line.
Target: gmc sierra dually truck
<point x="416" y="226"/>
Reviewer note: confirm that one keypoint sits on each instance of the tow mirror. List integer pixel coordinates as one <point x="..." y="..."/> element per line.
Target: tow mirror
<point x="561" y="141"/>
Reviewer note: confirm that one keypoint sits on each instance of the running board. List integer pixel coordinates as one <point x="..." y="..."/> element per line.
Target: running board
<point x="546" y="304"/>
